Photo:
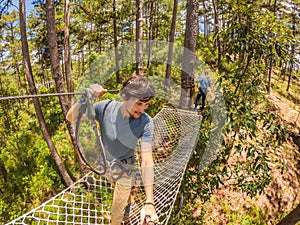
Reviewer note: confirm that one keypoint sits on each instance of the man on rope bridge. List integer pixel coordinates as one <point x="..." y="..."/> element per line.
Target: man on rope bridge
<point x="122" y="124"/>
<point x="205" y="83"/>
<point x="89" y="199"/>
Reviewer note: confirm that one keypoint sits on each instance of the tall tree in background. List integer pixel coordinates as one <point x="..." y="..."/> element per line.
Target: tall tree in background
<point x="205" y="21"/>
<point x="139" y="37"/>
<point x="32" y="89"/>
<point x="271" y="57"/>
<point x="216" y="24"/>
<point x="58" y="76"/>
<point x="67" y="48"/>
<point x="118" y="78"/>
<point x="291" y="61"/>
<point x="189" y="56"/>
<point x="171" y="42"/>
<point x="150" y="32"/>
<point x="10" y="39"/>
<point x="54" y="56"/>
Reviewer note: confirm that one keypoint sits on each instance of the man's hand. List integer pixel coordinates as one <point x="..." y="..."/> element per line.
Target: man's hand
<point x="148" y="210"/>
<point x="97" y="90"/>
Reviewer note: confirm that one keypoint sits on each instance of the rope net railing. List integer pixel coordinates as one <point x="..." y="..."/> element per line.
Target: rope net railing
<point x="88" y="200"/>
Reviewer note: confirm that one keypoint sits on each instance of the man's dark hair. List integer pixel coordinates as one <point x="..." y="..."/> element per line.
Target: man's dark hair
<point x="138" y="87"/>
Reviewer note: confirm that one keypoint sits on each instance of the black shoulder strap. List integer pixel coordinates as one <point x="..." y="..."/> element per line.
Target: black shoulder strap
<point x="105" y="108"/>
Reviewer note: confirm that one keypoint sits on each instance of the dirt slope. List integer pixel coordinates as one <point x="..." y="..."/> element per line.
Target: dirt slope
<point x="280" y="197"/>
<point x="287" y="110"/>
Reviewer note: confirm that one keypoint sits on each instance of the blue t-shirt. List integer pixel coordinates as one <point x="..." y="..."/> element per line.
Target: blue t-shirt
<point x="120" y="136"/>
<point x="204" y="82"/>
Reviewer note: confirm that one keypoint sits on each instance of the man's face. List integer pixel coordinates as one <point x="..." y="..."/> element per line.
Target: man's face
<point x="136" y="107"/>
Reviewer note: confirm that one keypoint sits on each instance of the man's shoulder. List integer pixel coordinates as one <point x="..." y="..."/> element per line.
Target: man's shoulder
<point x="146" y="117"/>
<point x="105" y="103"/>
<point x="202" y="77"/>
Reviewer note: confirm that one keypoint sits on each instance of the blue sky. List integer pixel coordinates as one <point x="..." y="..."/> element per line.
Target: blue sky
<point x="28" y="5"/>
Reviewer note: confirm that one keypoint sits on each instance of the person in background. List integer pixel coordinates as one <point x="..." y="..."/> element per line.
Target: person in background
<point x="122" y="124"/>
<point x="205" y="82"/>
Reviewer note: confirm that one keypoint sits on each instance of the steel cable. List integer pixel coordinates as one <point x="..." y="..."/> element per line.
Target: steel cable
<point x="6" y="98"/>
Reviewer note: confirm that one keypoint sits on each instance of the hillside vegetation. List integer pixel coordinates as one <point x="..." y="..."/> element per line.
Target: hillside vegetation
<point x="227" y="205"/>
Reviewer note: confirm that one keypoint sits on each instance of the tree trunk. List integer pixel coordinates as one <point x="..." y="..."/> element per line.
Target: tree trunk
<point x="270" y="74"/>
<point x="290" y="76"/>
<point x="171" y="43"/>
<point x="139" y="37"/>
<point x="54" y="57"/>
<point x="283" y="71"/>
<point x="58" y="77"/>
<point x="67" y="52"/>
<point x="118" y="78"/>
<point x="291" y="218"/>
<point x="205" y="22"/>
<point x="271" y="59"/>
<point x="82" y="62"/>
<point x="217" y="43"/>
<point x="274" y="7"/>
<point x="150" y="35"/>
<point x="293" y="47"/>
<point x="28" y="71"/>
<point x="189" y="56"/>
<point x="15" y="64"/>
